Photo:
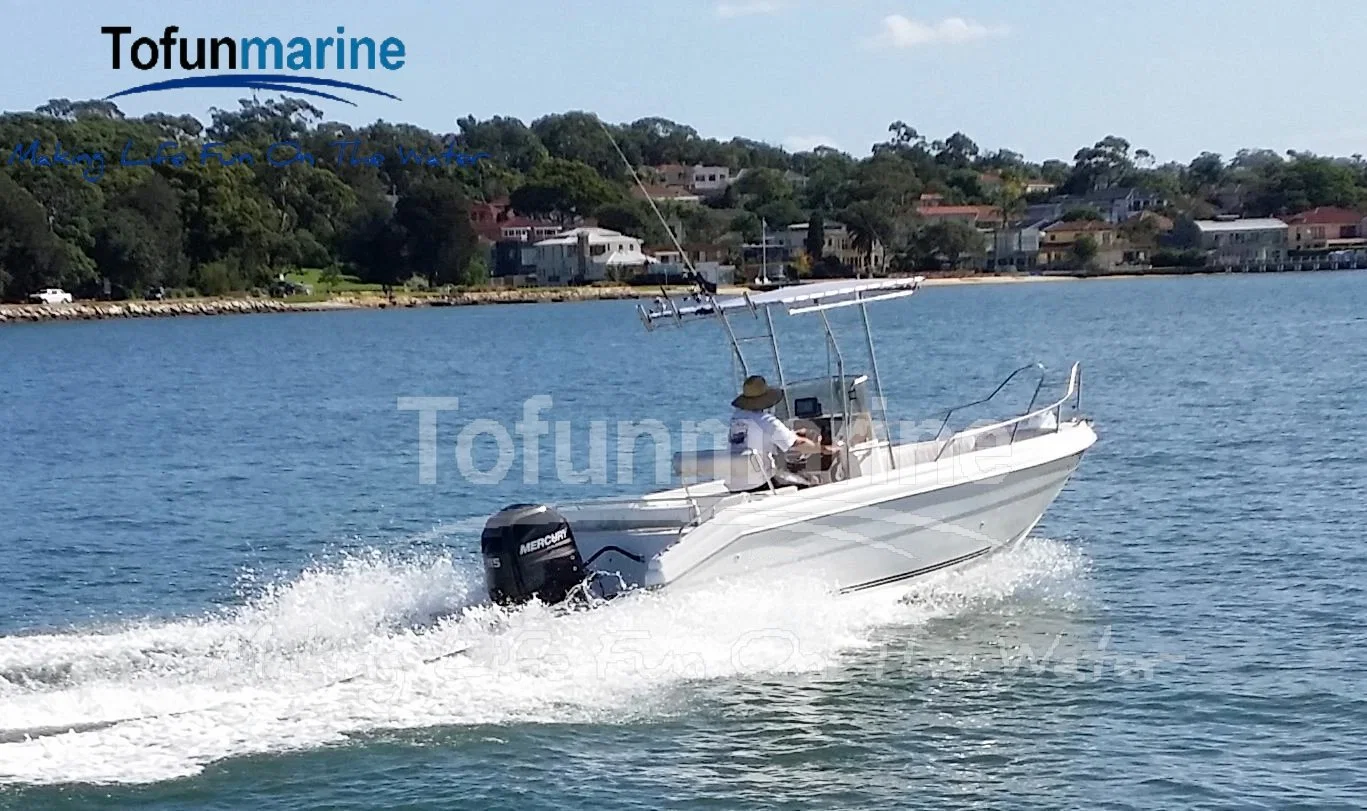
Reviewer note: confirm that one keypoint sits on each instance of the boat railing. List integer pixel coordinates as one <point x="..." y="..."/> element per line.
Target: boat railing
<point x="1072" y="396"/>
<point x="1037" y="368"/>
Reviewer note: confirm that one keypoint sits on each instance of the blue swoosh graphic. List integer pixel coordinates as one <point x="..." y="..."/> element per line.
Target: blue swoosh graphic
<point x="285" y="87"/>
<point x="257" y="81"/>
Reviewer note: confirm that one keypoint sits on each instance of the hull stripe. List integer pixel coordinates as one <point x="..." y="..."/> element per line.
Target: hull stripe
<point x="886" y="581"/>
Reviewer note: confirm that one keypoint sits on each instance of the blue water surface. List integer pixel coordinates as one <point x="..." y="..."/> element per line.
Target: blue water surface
<point x="1186" y="628"/>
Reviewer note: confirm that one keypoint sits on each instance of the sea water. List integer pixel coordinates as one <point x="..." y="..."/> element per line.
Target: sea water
<point x="226" y="584"/>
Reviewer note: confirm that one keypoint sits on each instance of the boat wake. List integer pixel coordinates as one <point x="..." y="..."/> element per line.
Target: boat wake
<point x="381" y="643"/>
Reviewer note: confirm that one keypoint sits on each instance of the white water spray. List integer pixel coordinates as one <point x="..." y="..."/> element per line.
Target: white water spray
<point x="364" y="645"/>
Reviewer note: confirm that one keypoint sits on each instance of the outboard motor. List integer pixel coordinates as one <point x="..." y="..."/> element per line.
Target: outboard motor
<point x="529" y="552"/>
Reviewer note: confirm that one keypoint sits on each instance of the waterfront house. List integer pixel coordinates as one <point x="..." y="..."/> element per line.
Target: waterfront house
<point x="1121" y="203"/>
<point x="587" y="254"/>
<point x="513" y="263"/>
<point x="694" y="251"/>
<point x="494" y="221"/>
<point x="526" y="229"/>
<point x="707" y="260"/>
<point x="1015" y="247"/>
<point x="1324" y="229"/>
<point x="1116" y="204"/>
<point x="776" y="248"/>
<point x="1059" y="243"/>
<point x="1234" y="242"/>
<point x="487" y="217"/>
<point x="838" y="242"/>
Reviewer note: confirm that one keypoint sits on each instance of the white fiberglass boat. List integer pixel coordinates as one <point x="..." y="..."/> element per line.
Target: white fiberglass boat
<point x="881" y="513"/>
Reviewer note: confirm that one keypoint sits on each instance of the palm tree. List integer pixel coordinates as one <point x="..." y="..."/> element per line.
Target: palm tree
<point x="868" y="225"/>
<point x="1010" y="200"/>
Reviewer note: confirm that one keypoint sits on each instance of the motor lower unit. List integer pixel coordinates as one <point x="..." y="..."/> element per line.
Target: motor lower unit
<point x="529" y="553"/>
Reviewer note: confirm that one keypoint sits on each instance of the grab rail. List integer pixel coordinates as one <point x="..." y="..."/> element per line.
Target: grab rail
<point x="1038" y="367"/>
<point x="1074" y="393"/>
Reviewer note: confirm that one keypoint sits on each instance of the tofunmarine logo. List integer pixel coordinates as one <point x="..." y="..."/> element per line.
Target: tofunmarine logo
<point x="285" y="56"/>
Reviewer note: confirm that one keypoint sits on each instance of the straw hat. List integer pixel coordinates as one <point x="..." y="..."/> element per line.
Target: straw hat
<point x="757" y="395"/>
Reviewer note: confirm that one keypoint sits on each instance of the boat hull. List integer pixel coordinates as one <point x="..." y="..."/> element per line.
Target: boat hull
<point x="895" y="540"/>
<point x="929" y="512"/>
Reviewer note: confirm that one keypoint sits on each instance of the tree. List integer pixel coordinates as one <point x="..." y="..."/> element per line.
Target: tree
<point x="888" y="180"/>
<point x="623" y="217"/>
<point x="578" y="136"/>
<point x="633" y="219"/>
<point x="815" y="243"/>
<point x="661" y="141"/>
<point x="868" y="224"/>
<point x="508" y="142"/>
<point x="1100" y="166"/>
<point x="780" y="213"/>
<point x="563" y="188"/>
<point x="226" y="227"/>
<point x="140" y="242"/>
<point x="1206" y="170"/>
<point x="376" y="246"/>
<point x="748" y="226"/>
<point x="31" y="257"/>
<point x="905" y="141"/>
<point x="477" y="272"/>
<point x="760" y="187"/>
<point x="944" y="242"/>
<point x="957" y="151"/>
<point x="439" y="240"/>
<point x="1085" y="250"/>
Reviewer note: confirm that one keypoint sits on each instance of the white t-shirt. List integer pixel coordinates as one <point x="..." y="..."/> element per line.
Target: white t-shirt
<point x="763" y="433"/>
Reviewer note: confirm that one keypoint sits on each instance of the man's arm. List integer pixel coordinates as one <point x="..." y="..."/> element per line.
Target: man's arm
<point x="806" y="434"/>
<point x="786" y="439"/>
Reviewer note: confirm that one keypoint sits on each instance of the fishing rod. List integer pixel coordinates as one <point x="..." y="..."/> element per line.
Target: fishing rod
<point x="692" y="272"/>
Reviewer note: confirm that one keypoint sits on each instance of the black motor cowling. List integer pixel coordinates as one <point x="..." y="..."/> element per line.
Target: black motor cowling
<point x="529" y="552"/>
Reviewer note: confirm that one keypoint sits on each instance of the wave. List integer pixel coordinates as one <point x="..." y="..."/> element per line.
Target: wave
<point x="382" y="642"/>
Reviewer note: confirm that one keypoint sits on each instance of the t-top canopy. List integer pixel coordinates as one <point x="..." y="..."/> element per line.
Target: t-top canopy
<point x="797" y="298"/>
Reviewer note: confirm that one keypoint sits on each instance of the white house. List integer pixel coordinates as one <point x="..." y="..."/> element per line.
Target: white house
<point x="673" y="267"/>
<point x="587" y="254"/>
<point x="709" y="180"/>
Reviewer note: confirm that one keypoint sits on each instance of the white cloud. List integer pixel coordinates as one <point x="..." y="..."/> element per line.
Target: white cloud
<point x="806" y="143"/>
<point x="747" y="7"/>
<point x="904" y="32"/>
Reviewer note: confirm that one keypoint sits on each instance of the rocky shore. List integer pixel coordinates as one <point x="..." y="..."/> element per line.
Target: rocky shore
<point x="98" y="310"/>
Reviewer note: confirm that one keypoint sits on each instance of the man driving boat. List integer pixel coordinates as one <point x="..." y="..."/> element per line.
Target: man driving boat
<point x="753" y="428"/>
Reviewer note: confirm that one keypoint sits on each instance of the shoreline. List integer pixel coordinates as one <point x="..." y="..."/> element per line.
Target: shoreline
<point x="173" y="308"/>
<point x="104" y="310"/>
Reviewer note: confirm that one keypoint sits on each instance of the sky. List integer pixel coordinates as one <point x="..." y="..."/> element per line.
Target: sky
<point x="1040" y="78"/>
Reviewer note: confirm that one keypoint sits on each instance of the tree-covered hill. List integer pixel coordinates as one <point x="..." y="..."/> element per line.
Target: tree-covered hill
<point x="200" y="223"/>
